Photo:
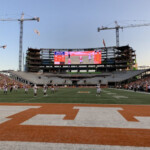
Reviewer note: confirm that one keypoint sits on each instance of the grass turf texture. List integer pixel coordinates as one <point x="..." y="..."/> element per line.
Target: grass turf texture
<point x="71" y="95"/>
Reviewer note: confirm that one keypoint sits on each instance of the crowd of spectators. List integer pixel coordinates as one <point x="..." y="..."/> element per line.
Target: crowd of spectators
<point x="6" y="81"/>
<point x="139" y="85"/>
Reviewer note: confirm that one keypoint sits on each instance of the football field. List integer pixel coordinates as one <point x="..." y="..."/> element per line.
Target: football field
<point x="77" y="95"/>
<point x="75" y="119"/>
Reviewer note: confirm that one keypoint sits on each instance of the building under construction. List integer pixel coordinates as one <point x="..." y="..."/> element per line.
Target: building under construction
<point x="112" y="59"/>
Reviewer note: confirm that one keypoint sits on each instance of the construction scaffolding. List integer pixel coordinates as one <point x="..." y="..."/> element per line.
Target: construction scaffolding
<point x="112" y="59"/>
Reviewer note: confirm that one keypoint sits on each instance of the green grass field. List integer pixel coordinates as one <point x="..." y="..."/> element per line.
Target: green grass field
<point x="72" y="95"/>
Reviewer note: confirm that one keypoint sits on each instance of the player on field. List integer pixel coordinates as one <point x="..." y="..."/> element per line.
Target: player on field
<point x="98" y="91"/>
<point x="11" y="88"/>
<point x="26" y="89"/>
<point x="15" y="87"/>
<point x="56" y="88"/>
<point x="35" y="90"/>
<point x="52" y="89"/>
<point x="5" y="88"/>
<point x="45" y="88"/>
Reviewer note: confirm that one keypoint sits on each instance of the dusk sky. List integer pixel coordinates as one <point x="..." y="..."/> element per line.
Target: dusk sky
<point x="73" y="24"/>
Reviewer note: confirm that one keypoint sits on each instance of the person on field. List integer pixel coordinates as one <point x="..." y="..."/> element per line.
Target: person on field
<point x="56" y="88"/>
<point x="11" y="88"/>
<point x="15" y="87"/>
<point x="35" y="90"/>
<point x="26" y="89"/>
<point x="98" y="91"/>
<point x="148" y="88"/>
<point x="5" y="88"/>
<point x="45" y="88"/>
<point x="135" y="88"/>
<point x="52" y="89"/>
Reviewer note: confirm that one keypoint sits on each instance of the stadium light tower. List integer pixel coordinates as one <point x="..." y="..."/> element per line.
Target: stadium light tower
<point x="21" y="20"/>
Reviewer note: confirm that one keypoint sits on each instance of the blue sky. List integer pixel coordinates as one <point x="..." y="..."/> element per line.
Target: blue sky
<point x="73" y="24"/>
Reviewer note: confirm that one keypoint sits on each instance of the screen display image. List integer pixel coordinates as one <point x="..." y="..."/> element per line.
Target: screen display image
<point x="77" y="57"/>
<point x="59" y="58"/>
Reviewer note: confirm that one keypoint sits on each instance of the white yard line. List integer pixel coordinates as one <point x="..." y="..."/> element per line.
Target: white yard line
<point x="7" y="145"/>
<point x="114" y="95"/>
<point x="120" y="97"/>
<point x="31" y="99"/>
<point x="130" y="91"/>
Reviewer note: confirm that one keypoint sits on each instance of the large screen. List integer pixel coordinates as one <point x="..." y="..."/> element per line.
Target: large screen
<point x="77" y="57"/>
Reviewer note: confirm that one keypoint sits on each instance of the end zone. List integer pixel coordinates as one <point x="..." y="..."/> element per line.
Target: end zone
<point x="77" y="124"/>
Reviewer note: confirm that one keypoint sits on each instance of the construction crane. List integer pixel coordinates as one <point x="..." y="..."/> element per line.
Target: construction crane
<point x="117" y="27"/>
<point x="21" y="20"/>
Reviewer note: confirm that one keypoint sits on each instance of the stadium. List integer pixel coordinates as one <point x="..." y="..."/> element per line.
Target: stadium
<point x="46" y="66"/>
<point x="70" y="114"/>
<point x="73" y="89"/>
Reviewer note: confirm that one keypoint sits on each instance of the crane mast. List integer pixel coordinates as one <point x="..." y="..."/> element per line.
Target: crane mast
<point x="21" y="20"/>
<point x="117" y="27"/>
<point x="20" y="45"/>
<point x="117" y="37"/>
